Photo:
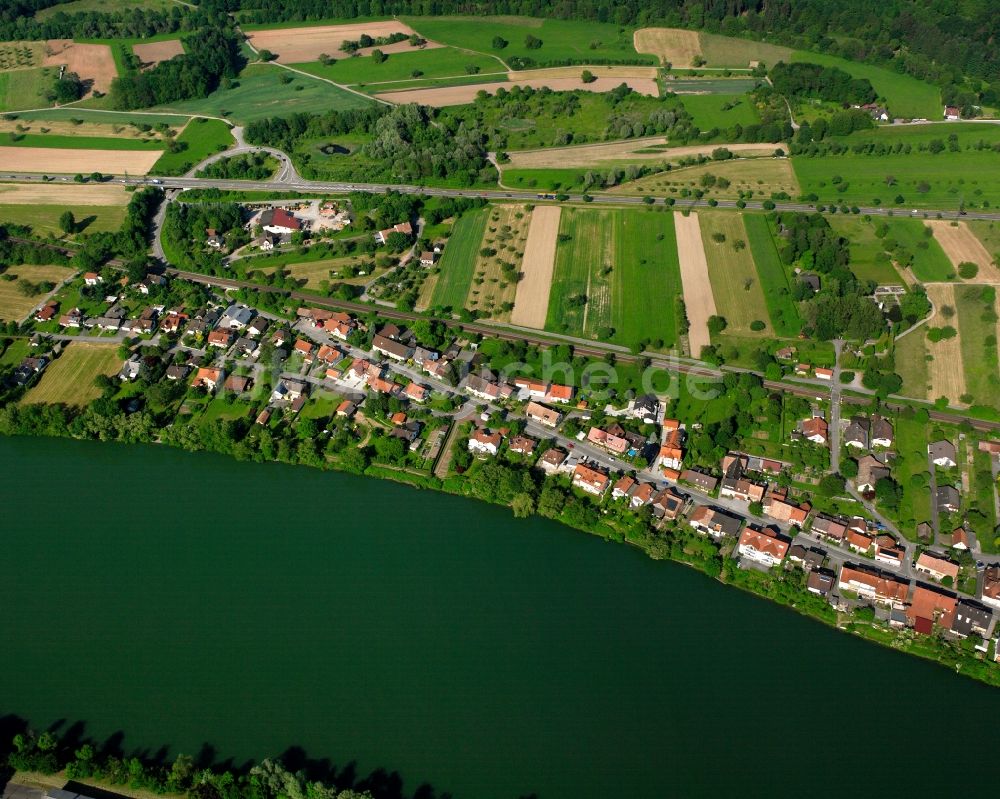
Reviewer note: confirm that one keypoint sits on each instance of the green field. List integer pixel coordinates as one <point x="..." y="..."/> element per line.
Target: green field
<point x="440" y="62"/>
<point x="69" y="379"/>
<point x="103" y="7"/>
<point x="773" y="277"/>
<point x="44" y="219"/>
<point x="260" y="92"/>
<point x="77" y="142"/>
<point x="981" y="499"/>
<point x="989" y="234"/>
<point x="26" y="88"/>
<point x="459" y="261"/>
<point x="911" y="446"/>
<point x="727" y="51"/>
<point x="869" y="261"/>
<point x="911" y="363"/>
<point x="106" y="117"/>
<point x="761" y="176"/>
<point x="713" y="110"/>
<point x="930" y="264"/>
<point x="203" y="138"/>
<point x="905" y="96"/>
<point x="607" y="256"/>
<point x="739" y="296"/>
<point x="977" y="322"/>
<point x="562" y="40"/>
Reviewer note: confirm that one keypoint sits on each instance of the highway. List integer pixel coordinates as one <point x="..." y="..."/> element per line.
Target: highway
<point x="293" y="183"/>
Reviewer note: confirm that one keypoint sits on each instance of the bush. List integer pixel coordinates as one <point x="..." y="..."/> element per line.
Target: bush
<point x="967" y="270"/>
<point x="757" y="325"/>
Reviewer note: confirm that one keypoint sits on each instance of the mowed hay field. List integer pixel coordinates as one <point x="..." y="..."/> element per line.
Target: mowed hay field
<point x="494" y="281"/>
<point x="869" y="260"/>
<point x="977" y="314"/>
<point x="674" y="46"/>
<point x="759" y="175"/>
<point x="459" y="261"/>
<point x="651" y="149"/>
<point x="462" y="95"/>
<point x="153" y="53"/>
<point x="14" y="305"/>
<point x="69" y="378"/>
<point x="699" y="301"/>
<point x="735" y="283"/>
<point x="773" y="276"/>
<point x="531" y="301"/>
<point x="930" y="264"/>
<point x="56" y="160"/>
<point x="726" y="51"/>
<point x="945" y="369"/>
<point x="710" y="111"/>
<point x="961" y="245"/>
<point x="94" y="63"/>
<point x="293" y="45"/>
<point x="68" y="194"/>
<point x="616" y="278"/>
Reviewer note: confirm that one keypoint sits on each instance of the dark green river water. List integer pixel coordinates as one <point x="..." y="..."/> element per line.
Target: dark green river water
<point x="186" y="599"/>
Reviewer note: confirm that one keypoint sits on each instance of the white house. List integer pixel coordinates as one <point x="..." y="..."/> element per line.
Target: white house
<point x="484" y="443"/>
<point x="761" y="547"/>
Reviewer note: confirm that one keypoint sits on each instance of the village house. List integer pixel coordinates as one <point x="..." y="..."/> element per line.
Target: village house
<point x="415" y="392"/>
<point x="881" y="432"/>
<point x="346" y="409"/>
<point x="72" y="318"/>
<point x="408" y="432"/>
<point x="553" y="459"/>
<point x="936" y="567"/>
<point x="942" y="453"/>
<point x="870" y="471"/>
<point x="777" y="507"/>
<point x="288" y="390"/>
<point x="132" y="369"/>
<point x="422" y="355"/>
<point x="820" y="582"/>
<point x="246" y="347"/>
<point x="803" y="369"/>
<point x="646" y="409"/>
<point x="806" y="557"/>
<point x="762" y="547"/>
<point x="822" y="373"/>
<point x="328" y="355"/>
<point x="392" y="348"/>
<point x="948" y="499"/>
<point x="542" y="414"/>
<point x="380" y="385"/>
<point x="149" y="282"/>
<point x="213" y="239"/>
<point x="428" y="258"/>
<point x="264" y="416"/>
<point x="559" y="393"/>
<point x="592" y="480"/>
<point x="888" y="551"/>
<point x="236" y="317"/>
<point x="258" y="327"/>
<point x="623" y="487"/>
<point x="47" y="312"/>
<point x="873" y="585"/>
<point x="991" y="585"/>
<point x="305" y="349"/>
<point x="237" y="383"/>
<point x="815" y="430"/>
<point x="220" y="338"/>
<point x="483" y="442"/>
<point x="929" y="607"/>
<point x="382" y="236"/>
<point x="178" y="372"/>
<point x="173" y="321"/>
<point x="952" y="113"/>
<point x="613" y="442"/>
<point x="92" y="279"/>
<point x="960" y="539"/>
<point x="700" y="480"/>
<point x="207" y="377"/>
<point x="523" y="445"/>
<point x="786" y="353"/>
<point x="856" y="433"/>
<point x="487" y="389"/>
<point x="279" y="221"/>
<point x="971" y="618"/>
<point x="714" y="522"/>
<point x="859" y="541"/>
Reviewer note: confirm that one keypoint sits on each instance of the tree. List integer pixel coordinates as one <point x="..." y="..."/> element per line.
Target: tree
<point x="67" y="222"/>
<point x="378" y="56"/>
<point x="587" y="76"/>
<point x="499" y="43"/>
<point x="968" y="270"/>
<point x="523" y="505"/>
<point x="716" y="324"/>
<point x="532" y="42"/>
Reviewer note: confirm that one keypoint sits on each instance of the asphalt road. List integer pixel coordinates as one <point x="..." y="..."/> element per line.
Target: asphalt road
<point x="295" y="183"/>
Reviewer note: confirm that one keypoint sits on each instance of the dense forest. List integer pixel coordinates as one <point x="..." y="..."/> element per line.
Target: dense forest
<point x="821" y="83"/>
<point x="938" y="42"/>
<point x="211" y="54"/>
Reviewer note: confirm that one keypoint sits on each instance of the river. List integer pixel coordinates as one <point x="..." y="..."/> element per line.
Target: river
<point x="186" y="600"/>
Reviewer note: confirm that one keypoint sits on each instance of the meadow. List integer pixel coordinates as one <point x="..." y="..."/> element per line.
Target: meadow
<point x="976" y="311"/>
<point x="989" y="234"/>
<point x="268" y="90"/>
<point x="911" y="446"/>
<point x="26" y="88"/>
<point x="74" y="142"/>
<point x="739" y="296"/>
<point x="44" y="219"/>
<point x="439" y="62"/>
<point x="69" y="378"/>
<point x="202" y="137"/>
<point x="762" y="176"/>
<point x="911" y="363"/>
<point x="14" y="305"/>
<point x="773" y="276"/>
<point x="459" y="261"/>
<point x="942" y="182"/>
<point x="727" y="51"/>
<point x="616" y="277"/>
<point x="869" y="260"/>
<point x="562" y="40"/>
<point x="103" y="117"/>
<point x="905" y="96"/>
<point x="719" y="110"/>
<point x="930" y="264"/>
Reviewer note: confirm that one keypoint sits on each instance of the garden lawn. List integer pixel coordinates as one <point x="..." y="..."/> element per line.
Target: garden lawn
<point x="735" y="283"/>
<point x="869" y="260"/>
<point x="930" y="264"/>
<point x="977" y="321"/>
<point x="439" y="62"/>
<point x="719" y="110"/>
<point x="905" y="96"/>
<point x="562" y="40"/>
<point x="773" y="276"/>
<point x="202" y="137"/>
<point x="459" y="260"/>
<point x="70" y="378"/>
<point x="911" y="363"/>
<point x="911" y="448"/>
<point x="260" y="92"/>
<point x="982" y="501"/>
<point x="14" y="305"/>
